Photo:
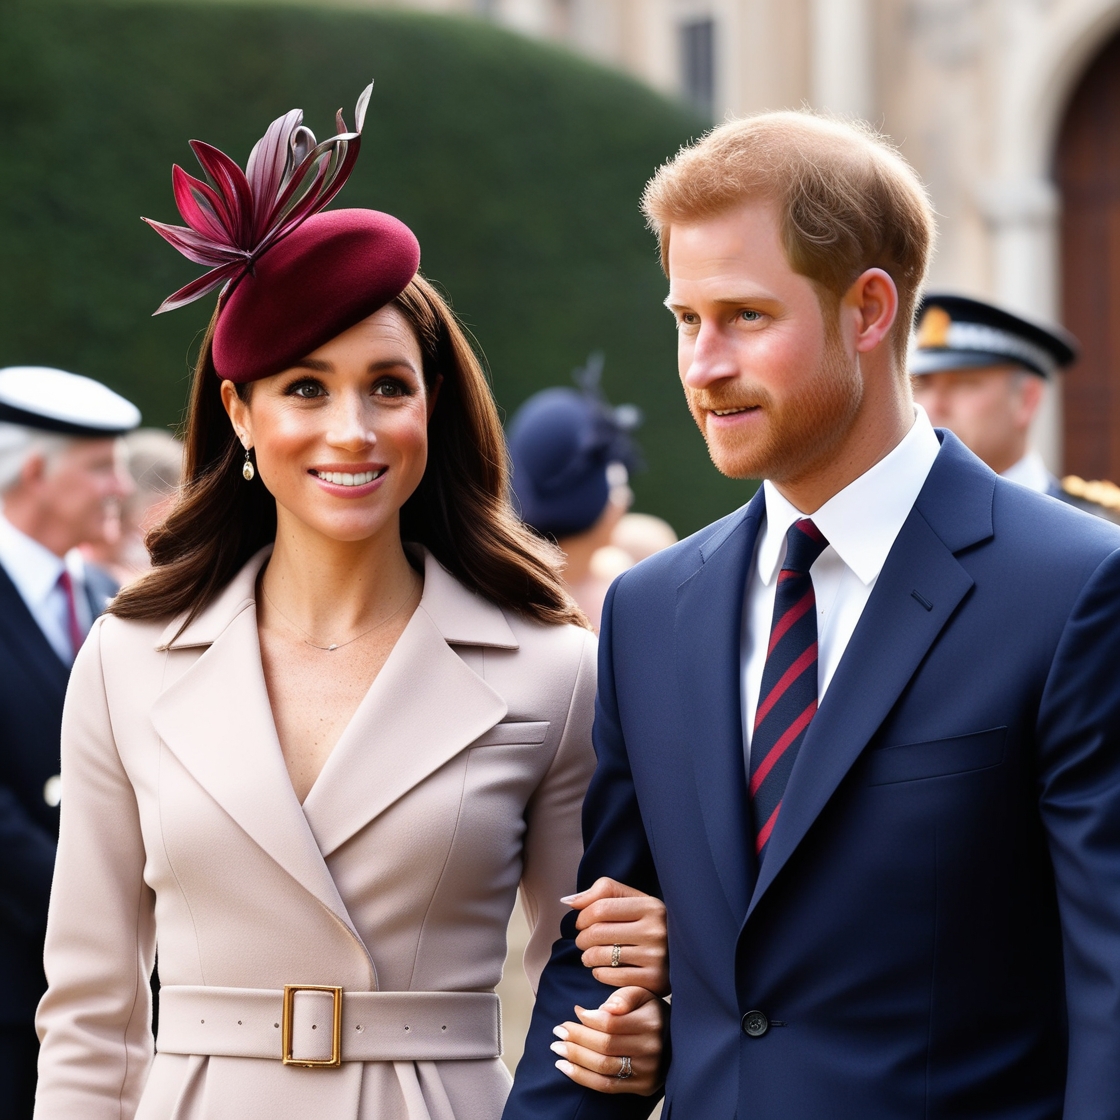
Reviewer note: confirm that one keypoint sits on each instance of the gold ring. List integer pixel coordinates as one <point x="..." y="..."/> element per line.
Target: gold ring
<point x="616" y="956"/>
<point x="626" y="1071"/>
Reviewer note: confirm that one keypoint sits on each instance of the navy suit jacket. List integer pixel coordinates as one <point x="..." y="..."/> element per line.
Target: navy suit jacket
<point x="935" y="929"/>
<point x="32" y="689"/>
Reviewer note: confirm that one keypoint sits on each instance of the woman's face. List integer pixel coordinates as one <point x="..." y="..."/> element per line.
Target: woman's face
<point x="341" y="439"/>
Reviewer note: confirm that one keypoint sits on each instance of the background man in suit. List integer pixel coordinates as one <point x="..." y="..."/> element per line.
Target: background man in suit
<point x="981" y="372"/>
<point x="60" y="463"/>
<point x="864" y="733"/>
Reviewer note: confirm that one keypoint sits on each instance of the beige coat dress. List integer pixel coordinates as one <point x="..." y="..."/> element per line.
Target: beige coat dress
<point x="460" y="777"/>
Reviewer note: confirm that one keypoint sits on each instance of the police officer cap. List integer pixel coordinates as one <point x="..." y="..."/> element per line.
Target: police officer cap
<point x="562" y="443"/>
<point x="52" y="400"/>
<point x="957" y="333"/>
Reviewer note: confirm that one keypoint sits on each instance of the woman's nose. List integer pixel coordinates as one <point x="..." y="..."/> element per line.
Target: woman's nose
<point x="351" y="426"/>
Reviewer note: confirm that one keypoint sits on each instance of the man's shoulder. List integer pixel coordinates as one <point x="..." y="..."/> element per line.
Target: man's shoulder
<point x="670" y="567"/>
<point x="1043" y="525"/>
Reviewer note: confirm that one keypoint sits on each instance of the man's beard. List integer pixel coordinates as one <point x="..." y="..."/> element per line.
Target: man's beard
<point x="800" y="435"/>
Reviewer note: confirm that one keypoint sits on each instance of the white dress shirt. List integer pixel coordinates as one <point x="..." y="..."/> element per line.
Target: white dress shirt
<point x="861" y="524"/>
<point x="34" y="570"/>
<point x="1030" y="471"/>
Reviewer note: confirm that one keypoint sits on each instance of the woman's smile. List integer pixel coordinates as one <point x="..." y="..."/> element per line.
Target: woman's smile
<point x="347" y="422"/>
<point x="353" y="481"/>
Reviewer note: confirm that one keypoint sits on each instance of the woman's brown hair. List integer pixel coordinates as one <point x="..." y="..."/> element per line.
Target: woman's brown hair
<point x="460" y="511"/>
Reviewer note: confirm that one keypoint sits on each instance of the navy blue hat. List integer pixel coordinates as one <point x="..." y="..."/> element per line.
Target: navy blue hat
<point x="957" y="333"/>
<point x="562" y="443"/>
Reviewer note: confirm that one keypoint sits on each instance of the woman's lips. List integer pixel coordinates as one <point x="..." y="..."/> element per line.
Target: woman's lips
<point x="350" y="478"/>
<point x="349" y="484"/>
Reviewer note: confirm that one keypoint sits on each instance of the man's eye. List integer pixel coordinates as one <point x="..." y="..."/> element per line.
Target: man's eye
<point x="751" y="316"/>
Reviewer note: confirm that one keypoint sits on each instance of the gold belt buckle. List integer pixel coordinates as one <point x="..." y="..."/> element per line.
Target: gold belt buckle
<point x="335" y="1060"/>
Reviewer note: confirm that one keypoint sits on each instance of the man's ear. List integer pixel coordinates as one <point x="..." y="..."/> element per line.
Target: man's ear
<point x="1031" y="391"/>
<point x="873" y="299"/>
<point x="34" y="469"/>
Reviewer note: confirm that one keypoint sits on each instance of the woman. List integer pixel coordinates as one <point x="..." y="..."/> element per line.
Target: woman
<point x="315" y="750"/>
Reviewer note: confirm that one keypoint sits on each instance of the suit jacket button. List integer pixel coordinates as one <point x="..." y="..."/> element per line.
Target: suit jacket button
<point x="755" y="1024"/>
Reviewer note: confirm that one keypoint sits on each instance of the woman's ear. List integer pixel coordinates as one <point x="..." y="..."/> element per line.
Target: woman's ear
<point x="874" y="298"/>
<point x="238" y="412"/>
<point x="433" y="394"/>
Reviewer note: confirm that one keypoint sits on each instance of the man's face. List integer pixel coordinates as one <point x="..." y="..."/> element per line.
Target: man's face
<point x="83" y="486"/>
<point x="769" y="381"/>
<point x="988" y="409"/>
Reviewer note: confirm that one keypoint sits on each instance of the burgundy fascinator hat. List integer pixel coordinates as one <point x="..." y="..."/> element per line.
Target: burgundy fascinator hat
<point x="292" y="278"/>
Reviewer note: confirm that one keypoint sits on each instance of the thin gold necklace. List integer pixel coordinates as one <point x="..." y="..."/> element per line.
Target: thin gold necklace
<point x="307" y="638"/>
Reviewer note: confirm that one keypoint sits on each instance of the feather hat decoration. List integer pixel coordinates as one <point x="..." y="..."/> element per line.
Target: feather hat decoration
<point x="240" y="215"/>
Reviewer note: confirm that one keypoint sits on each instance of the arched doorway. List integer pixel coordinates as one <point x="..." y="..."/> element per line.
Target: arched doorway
<point x="1087" y="170"/>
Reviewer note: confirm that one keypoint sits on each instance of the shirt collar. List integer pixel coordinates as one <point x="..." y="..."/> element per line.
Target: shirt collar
<point x="1030" y="471"/>
<point x="31" y="566"/>
<point x="862" y="521"/>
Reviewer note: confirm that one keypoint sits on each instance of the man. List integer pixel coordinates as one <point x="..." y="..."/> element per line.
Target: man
<point x="906" y="903"/>
<point x="60" y="464"/>
<point x="981" y="372"/>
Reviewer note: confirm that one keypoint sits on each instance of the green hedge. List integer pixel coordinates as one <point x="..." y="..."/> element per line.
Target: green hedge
<point x="518" y="165"/>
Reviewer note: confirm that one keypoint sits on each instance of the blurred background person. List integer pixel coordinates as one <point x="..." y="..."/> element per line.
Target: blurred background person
<point x="640" y="535"/>
<point x="61" y="468"/>
<point x="982" y="372"/>
<point x="155" y="463"/>
<point x="572" y="455"/>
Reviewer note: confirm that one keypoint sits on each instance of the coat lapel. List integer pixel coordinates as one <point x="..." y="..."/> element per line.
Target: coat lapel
<point x="224" y="734"/>
<point x="708" y="639"/>
<point x="425" y="706"/>
<point x="917" y="592"/>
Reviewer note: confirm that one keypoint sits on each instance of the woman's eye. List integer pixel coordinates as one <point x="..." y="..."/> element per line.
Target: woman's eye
<point x="306" y="390"/>
<point x="390" y="388"/>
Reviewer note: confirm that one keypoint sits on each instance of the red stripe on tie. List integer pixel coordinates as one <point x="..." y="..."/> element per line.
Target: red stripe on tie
<point x="765" y="830"/>
<point x="809" y="528"/>
<point x="790" y="617"/>
<point x="779" y="748"/>
<point x="784" y="681"/>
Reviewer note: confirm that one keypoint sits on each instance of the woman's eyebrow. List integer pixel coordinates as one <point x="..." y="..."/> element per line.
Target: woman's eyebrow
<point x="391" y="363"/>
<point x="316" y="364"/>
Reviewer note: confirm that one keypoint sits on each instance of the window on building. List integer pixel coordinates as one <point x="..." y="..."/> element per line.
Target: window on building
<point x="698" y="62"/>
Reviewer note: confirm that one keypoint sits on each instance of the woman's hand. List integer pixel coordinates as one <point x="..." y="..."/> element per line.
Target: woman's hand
<point x="623" y="936"/>
<point x="616" y="1048"/>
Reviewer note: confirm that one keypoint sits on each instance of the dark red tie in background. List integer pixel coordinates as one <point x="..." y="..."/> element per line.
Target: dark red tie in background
<point x="787" y="700"/>
<point x="76" y="635"/>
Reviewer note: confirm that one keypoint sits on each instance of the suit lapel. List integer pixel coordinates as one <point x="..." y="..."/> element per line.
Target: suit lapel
<point x="708" y="640"/>
<point x="226" y="739"/>
<point x="917" y="592"/>
<point x="27" y="643"/>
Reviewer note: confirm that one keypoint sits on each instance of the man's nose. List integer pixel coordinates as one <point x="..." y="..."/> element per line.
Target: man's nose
<point x="709" y="358"/>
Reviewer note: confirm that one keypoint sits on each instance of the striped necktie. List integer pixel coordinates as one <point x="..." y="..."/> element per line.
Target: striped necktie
<point x="787" y="700"/>
<point x="73" y="626"/>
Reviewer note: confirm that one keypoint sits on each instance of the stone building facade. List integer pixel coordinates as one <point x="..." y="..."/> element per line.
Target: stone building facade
<point x="983" y="98"/>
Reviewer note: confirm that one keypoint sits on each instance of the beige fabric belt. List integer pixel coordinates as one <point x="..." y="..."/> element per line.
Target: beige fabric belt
<point x="376" y="1026"/>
